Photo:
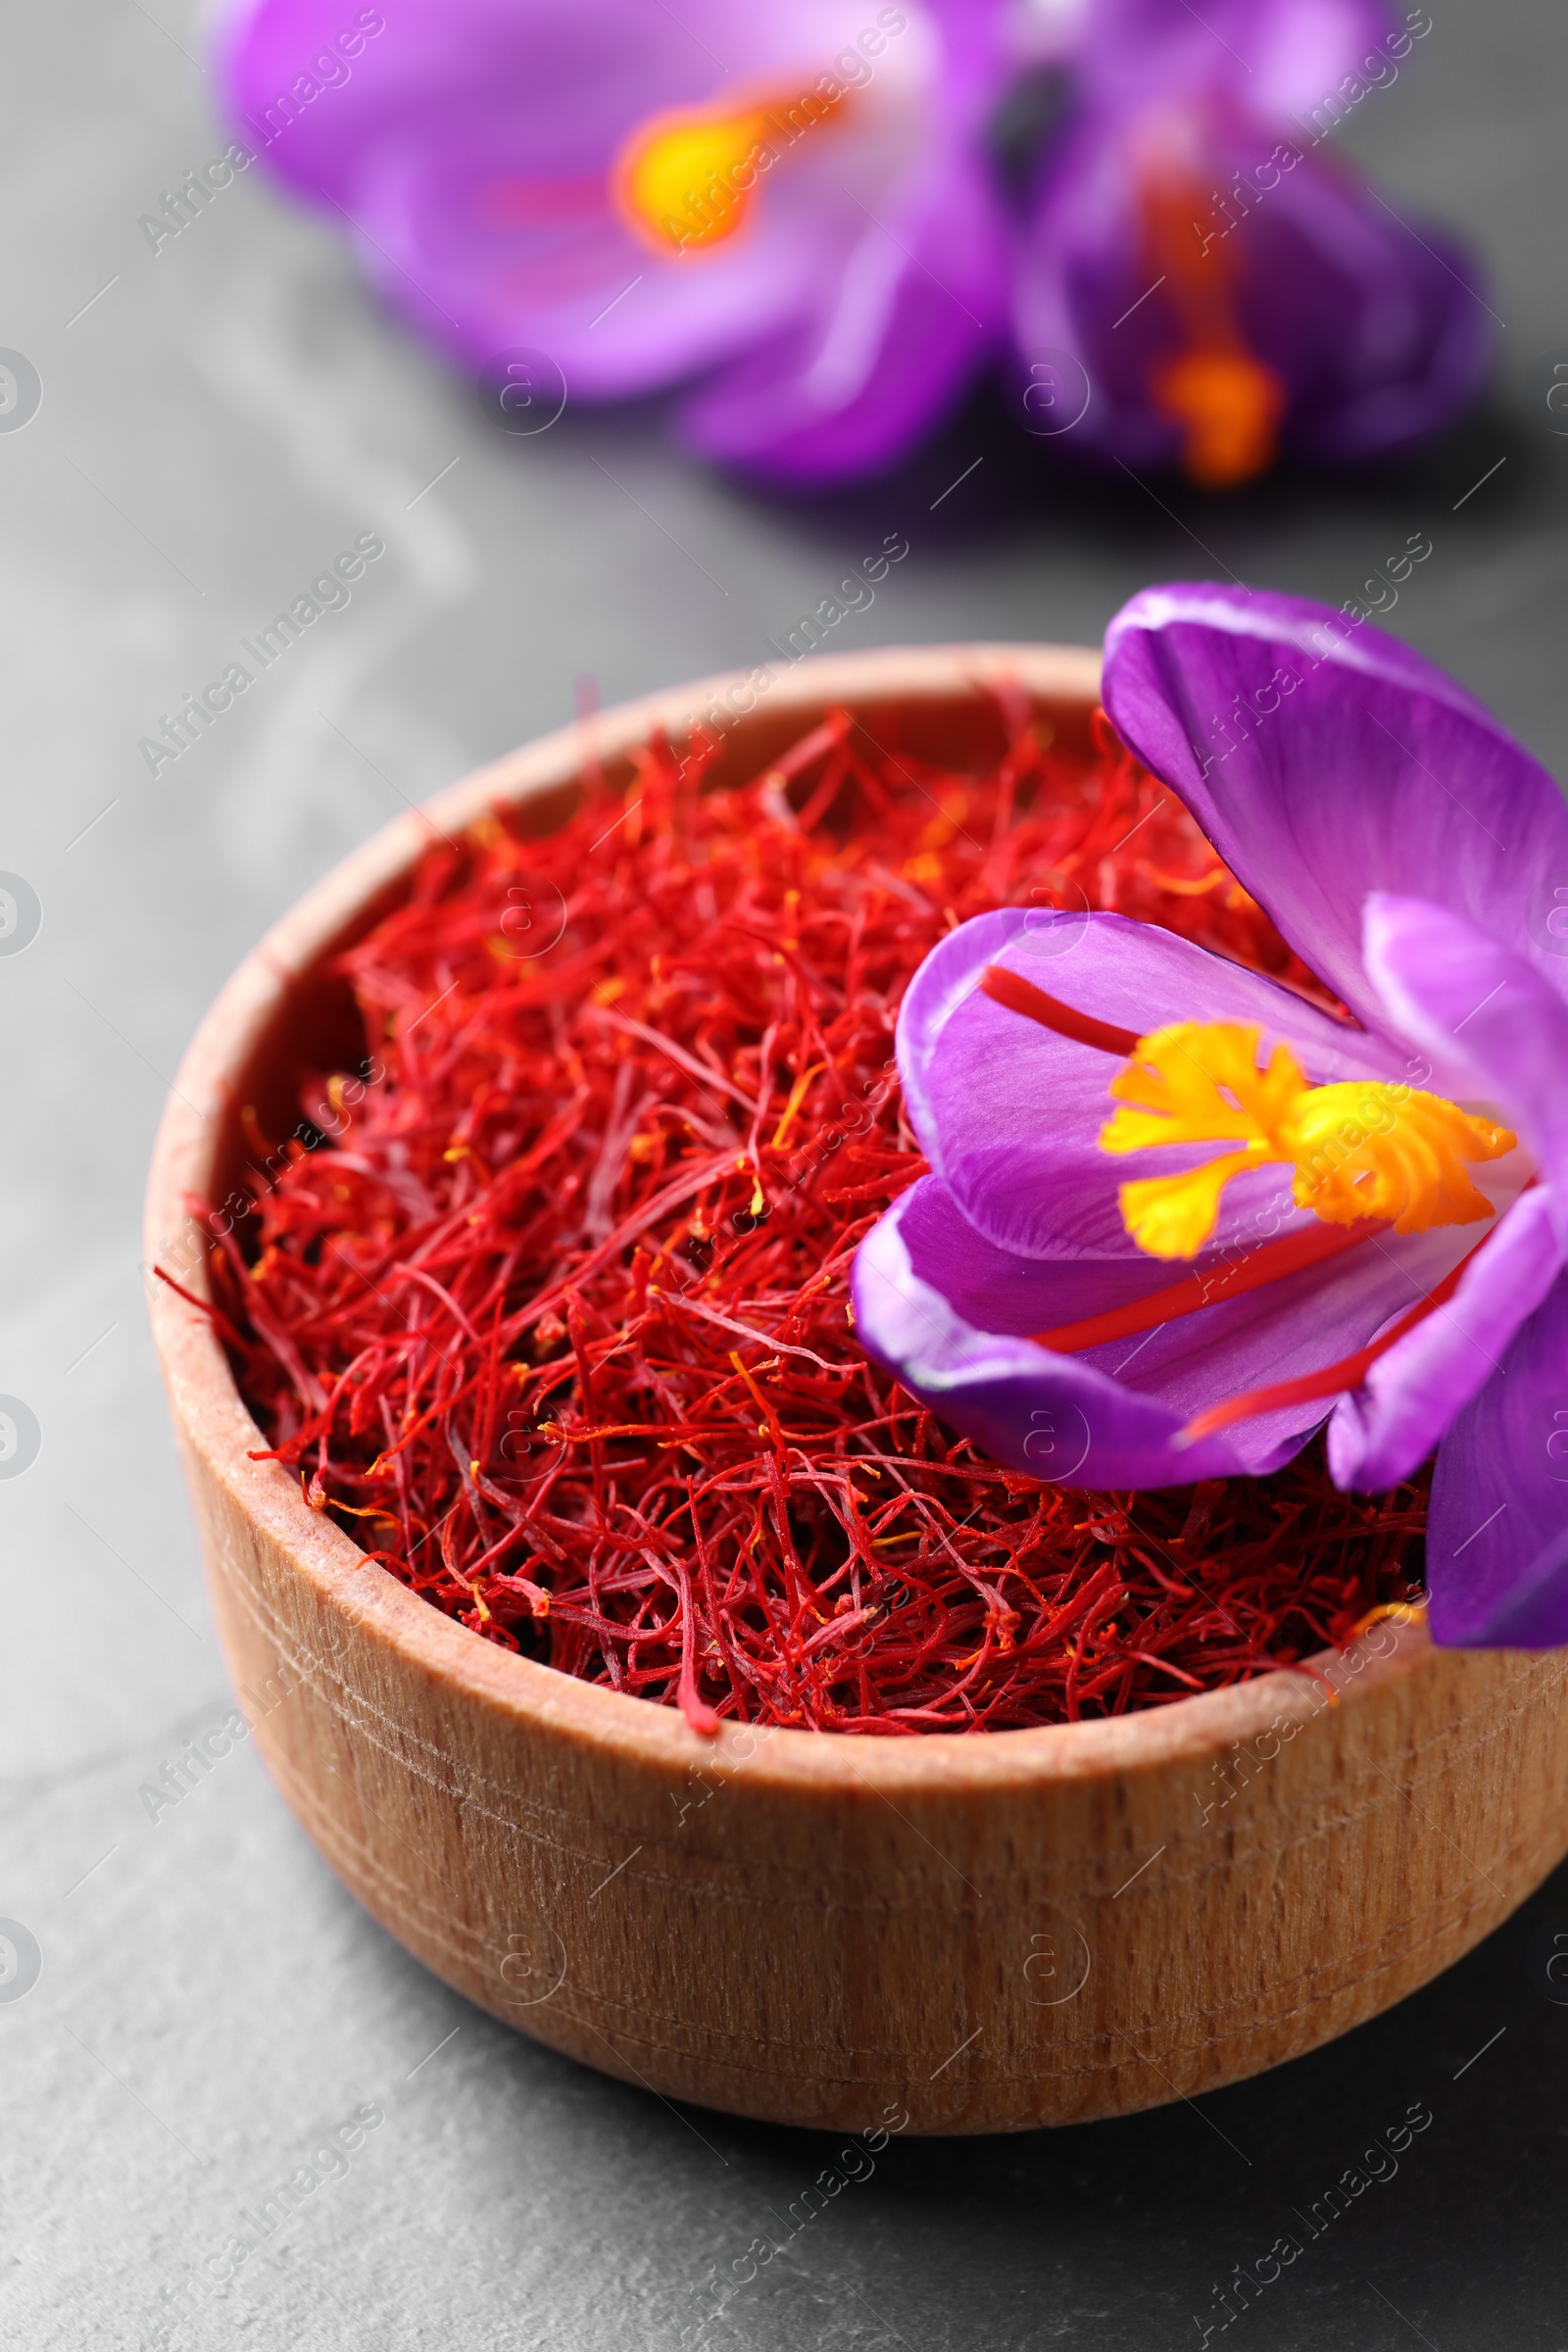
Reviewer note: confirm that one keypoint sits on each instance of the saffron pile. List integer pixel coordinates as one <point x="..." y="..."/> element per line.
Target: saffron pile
<point x="550" y="1307"/>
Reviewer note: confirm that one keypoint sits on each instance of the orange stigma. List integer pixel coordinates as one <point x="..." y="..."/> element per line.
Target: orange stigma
<point x="1229" y="405"/>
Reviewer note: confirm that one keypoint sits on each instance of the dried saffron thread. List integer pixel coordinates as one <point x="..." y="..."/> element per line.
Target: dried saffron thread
<point x="554" y="1319"/>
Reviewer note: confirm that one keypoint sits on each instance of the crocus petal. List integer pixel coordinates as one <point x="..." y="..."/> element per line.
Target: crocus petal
<point x="1497" y="1541"/>
<point x="1008" y="1113"/>
<point x="1476" y="1005"/>
<point x="1049" y="1416"/>
<point x="935" y="1300"/>
<point x="1416" y="336"/>
<point x="1413" y="1395"/>
<point x="906" y="322"/>
<point x="909" y="292"/>
<point x="1325" y="762"/>
<point x="1285" y="54"/>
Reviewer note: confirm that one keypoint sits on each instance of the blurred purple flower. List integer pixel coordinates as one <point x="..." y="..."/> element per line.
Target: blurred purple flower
<point x="1408" y="1267"/>
<point x="1225" y="289"/>
<point x="792" y="201"/>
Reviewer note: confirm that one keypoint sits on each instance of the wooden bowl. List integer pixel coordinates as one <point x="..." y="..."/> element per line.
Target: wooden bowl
<point x="946" y="1934"/>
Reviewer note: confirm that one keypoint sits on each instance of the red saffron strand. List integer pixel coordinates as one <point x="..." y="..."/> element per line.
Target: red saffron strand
<point x="554" y="1319"/>
<point x="1270" y="1262"/>
<point x="1333" y="1379"/>
<point x="1019" y="995"/>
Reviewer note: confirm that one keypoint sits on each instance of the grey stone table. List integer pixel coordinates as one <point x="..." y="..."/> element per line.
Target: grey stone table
<point x="218" y="419"/>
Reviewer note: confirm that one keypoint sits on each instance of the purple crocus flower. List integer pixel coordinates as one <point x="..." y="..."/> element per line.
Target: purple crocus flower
<point x="1219" y="286"/>
<point x="791" y="201"/>
<point x="1368" y="1213"/>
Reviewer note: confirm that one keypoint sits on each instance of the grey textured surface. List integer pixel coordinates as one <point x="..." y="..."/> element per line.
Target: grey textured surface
<point x="216" y="425"/>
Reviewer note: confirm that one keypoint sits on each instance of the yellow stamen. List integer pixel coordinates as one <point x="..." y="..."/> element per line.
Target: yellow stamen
<point x="677" y="177"/>
<point x="691" y="178"/>
<point x="1364" y="1149"/>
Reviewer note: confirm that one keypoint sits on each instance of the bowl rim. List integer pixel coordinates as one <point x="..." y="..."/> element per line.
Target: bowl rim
<point x="206" y="1399"/>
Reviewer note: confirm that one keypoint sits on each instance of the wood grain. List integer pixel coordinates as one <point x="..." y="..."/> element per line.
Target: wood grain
<point x="976" y="1935"/>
